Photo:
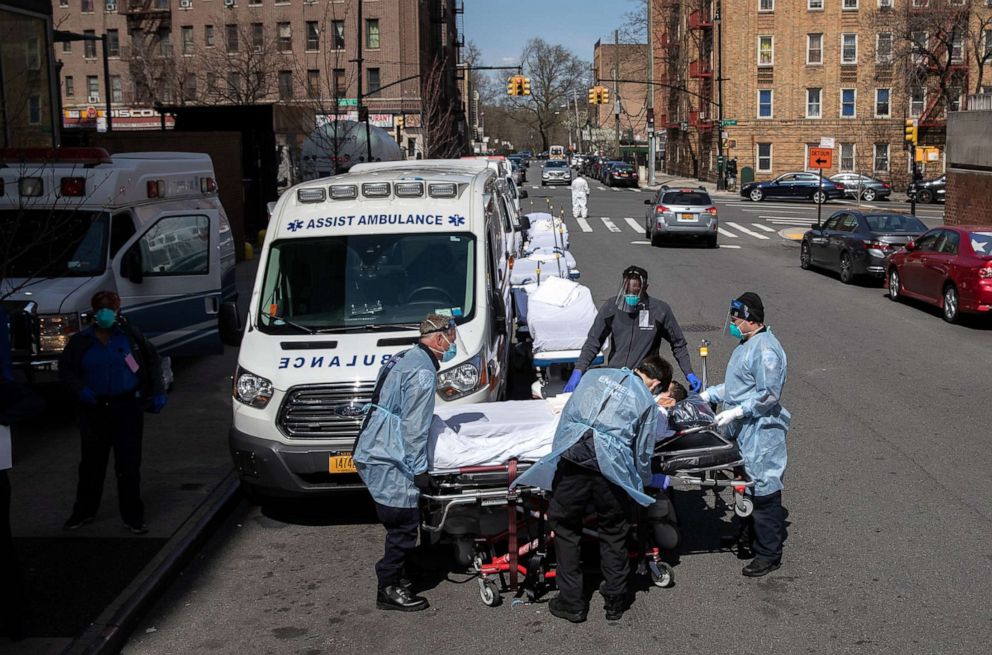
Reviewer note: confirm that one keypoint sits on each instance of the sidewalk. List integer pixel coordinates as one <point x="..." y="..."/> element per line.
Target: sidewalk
<point x="662" y="179"/>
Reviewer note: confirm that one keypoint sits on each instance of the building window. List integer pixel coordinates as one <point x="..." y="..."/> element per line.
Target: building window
<point x="63" y="3"/>
<point x="340" y="83"/>
<point x="850" y="5"/>
<point x="814" y="107"/>
<point x="954" y="94"/>
<point x="116" y="89"/>
<point x="766" y="5"/>
<point x="957" y="48"/>
<point x="883" y="48"/>
<point x="766" y="50"/>
<point x="87" y="6"/>
<point x="285" y="37"/>
<point x="917" y="101"/>
<point x="234" y="84"/>
<point x="189" y="86"/>
<point x="285" y="85"/>
<point x="113" y="43"/>
<point x="34" y="109"/>
<point x="848" y="102"/>
<point x="186" y="33"/>
<point x="814" y="49"/>
<point x="765" y="101"/>
<point x="337" y="34"/>
<point x="764" y="158"/>
<point x="89" y="45"/>
<point x="313" y="35"/>
<point x="372" y="33"/>
<point x="373" y="80"/>
<point x="847" y="156"/>
<point x="254" y="3"/>
<point x="70" y="86"/>
<point x="814" y="5"/>
<point x="66" y="47"/>
<point x="987" y="41"/>
<point x="232" y="37"/>
<point x="313" y="83"/>
<point x="881" y="162"/>
<point x="257" y="37"/>
<point x="164" y="37"/>
<point x="211" y="83"/>
<point x="208" y="35"/>
<point x="848" y="48"/>
<point x="92" y="85"/>
<point x="919" y="42"/>
<point x="883" y="107"/>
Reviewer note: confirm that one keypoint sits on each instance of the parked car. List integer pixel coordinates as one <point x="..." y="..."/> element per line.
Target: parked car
<point x="604" y="169"/>
<point x="865" y="186"/>
<point x="949" y="266"/>
<point x="929" y="191"/>
<point x="518" y="171"/>
<point x="556" y="171"/>
<point x="677" y="212"/>
<point x="854" y="243"/>
<point x="621" y="175"/>
<point x="804" y="185"/>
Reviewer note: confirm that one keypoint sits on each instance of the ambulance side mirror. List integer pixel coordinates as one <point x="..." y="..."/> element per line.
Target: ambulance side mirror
<point x="229" y="324"/>
<point x="131" y="266"/>
<point x="499" y="314"/>
<point x="522" y="194"/>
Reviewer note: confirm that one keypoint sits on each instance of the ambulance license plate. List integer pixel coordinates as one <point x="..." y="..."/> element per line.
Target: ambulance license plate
<point x="341" y="464"/>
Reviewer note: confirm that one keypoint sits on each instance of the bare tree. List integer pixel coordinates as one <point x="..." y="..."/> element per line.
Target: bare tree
<point x="438" y="115"/>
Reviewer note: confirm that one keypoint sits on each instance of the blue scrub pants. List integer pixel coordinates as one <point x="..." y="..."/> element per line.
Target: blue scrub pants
<point x="401" y="525"/>
<point x="766" y="526"/>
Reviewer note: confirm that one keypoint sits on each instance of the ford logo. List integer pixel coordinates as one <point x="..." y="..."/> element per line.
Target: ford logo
<point x="351" y="410"/>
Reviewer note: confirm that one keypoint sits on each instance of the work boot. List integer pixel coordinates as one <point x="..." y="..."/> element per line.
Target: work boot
<point x="759" y="567"/>
<point x="395" y="597"/>
<point x="76" y="521"/>
<point x="739" y="545"/>
<point x="558" y="608"/>
<point x="615" y="606"/>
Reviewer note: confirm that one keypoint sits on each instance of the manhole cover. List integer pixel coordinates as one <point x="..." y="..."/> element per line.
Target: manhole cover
<point x="699" y="327"/>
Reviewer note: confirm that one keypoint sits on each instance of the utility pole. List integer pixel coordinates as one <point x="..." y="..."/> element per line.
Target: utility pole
<point x="721" y="180"/>
<point x="359" y="61"/>
<point x="616" y="86"/>
<point x="650" y="95"/>
<point x="578" y="128"/>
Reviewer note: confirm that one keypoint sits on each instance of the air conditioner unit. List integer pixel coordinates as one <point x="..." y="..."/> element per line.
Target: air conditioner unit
<point x="885" y="4"/>
<point x="111" y="5"/>
<point x="185" y="4"/>
<point x="229" y="3"/>
<point x="257" y="49"/>
<point x="93" y="98"/>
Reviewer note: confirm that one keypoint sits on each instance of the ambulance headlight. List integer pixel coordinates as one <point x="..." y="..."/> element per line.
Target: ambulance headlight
<point x="252" y="390"/>
<point x="54" y="331"/>
<point x="462" y="380"/>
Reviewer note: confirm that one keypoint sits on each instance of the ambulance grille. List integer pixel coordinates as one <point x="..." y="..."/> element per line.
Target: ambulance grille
<point x="324" y="411"/>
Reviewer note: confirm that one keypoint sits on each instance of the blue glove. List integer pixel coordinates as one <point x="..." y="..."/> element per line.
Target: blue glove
<point x="87" y="396"/>
<point x="660" y="481"/>
<point x="158" y="403"/>
<point x="573" y="381"/>
<point x="695" y="384"/>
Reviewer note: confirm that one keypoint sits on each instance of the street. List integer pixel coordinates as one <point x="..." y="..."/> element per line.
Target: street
<point x="890" y="519"/>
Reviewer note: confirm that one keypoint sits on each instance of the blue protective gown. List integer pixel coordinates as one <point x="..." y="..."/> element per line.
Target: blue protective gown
<point x="754" y="381"/>
<point x="617" y="406"/>
<point x="392" y="446"/>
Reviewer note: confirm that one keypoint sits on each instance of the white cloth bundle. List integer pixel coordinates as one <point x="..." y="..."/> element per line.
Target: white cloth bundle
<point x="559" y="315"/>
<point x="525" y="270"/>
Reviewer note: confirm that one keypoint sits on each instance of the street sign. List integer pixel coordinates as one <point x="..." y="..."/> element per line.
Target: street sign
<point x="684" y="126"/>
<point x="728" y="122"/>
<point x="827" y="142"/>
<point x="820" y="158"/>
<point x="347" y="102"/>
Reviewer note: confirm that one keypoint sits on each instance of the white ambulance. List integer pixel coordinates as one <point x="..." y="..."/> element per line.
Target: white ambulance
<point x="147" y="225"/>
<point x="350" y="267"/>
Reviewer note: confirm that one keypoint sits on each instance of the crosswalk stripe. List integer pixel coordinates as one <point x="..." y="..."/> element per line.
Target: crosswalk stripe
<point x="724" y="245"/>
<point x="634" y="225"/>
<point x="534" y="186"/>
<point x="609" y="224"/>
<point x="635" y="189"/>
<point x="762" y="227"/>
<point x="750" y="233"/>
<point x="601" y="188"/>
<point x="584" y="224"/>
<point x="789" y="221"/>
<point x="613" y="188"/>
<point x="726" y="233"/>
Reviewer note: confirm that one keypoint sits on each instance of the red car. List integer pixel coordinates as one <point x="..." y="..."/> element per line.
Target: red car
<point x="949" y="266"/>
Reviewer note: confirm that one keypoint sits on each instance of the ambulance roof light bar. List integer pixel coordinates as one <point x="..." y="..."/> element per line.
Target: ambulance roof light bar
<point x="81" y="156"/>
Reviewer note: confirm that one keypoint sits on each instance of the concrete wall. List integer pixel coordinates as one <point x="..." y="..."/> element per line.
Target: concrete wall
<point x="969" y="168"/>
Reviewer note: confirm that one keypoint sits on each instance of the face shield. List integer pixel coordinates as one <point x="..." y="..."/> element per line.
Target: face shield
<point x="738" y="310"/>
<point x="631" y="291"/>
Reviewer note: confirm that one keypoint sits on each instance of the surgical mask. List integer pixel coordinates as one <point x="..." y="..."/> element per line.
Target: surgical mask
<point x="450" y="353"/>
<point x="105" y="318"/>
<point x="735" y="331"/>
<point x="631" y="300"/>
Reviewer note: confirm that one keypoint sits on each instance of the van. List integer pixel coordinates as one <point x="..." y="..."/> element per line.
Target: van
<point x="147" y="225"/>
<point x="350" y="266"/>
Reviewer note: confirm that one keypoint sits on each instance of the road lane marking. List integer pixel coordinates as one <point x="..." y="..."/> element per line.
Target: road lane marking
<point x="724" y="245"/>
<point x="535" y="187"/>
<point x="794" y="219"/>
<point x="640" y="243"/>
<point x="609" y="224"/>
<point x="762" y="227"/>
<point x="750" y="233"/>
<point x="584" y="224"/>
<point x="635" y="189"/>
<point x="601" y="188"/>
<point x="634" y="225"/>
<point x="726" y="233"/>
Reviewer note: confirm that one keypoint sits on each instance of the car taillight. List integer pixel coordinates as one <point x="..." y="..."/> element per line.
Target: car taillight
<point x="878" y="245"/>
<point x="838" y="185"/>
<point x="985" y="272"/>
<point x="661" y="209"/>
<point x="711" y="211"/>
<point x="886" y="185"/>
<point x="72" y="186"/>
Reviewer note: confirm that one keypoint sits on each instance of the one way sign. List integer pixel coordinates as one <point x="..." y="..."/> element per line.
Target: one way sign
<point x="820" y="158"/>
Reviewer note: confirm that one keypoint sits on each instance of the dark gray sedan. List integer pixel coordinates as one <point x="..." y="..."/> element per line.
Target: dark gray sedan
<point x="855" y="243"/>
<point x="868" y="188"/>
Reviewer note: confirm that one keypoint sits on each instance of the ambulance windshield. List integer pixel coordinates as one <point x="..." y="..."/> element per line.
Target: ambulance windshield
<point x="49" y="243"/>
<point x="364" y="282"/>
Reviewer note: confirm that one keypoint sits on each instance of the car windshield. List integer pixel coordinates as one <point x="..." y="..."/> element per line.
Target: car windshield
<point x="623" y="167"/>
<point x="894" y="223"/>
<point x="43" y="243"/>
<point x="981" y="243"/>
<point x="685" y="198"/>
<point x="555" y="163"/>
<point x="365" y="282"/>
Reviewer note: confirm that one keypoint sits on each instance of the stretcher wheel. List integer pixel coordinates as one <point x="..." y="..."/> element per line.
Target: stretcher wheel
<point x="743" y="507"/>
<point x="662" y="575"/>
<point x="489" y="593"/>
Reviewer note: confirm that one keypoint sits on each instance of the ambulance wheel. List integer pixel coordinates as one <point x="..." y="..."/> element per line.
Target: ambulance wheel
<point x="743" y="507"/>
<point x="664" y="577"/>
<point x="489" y="593"/>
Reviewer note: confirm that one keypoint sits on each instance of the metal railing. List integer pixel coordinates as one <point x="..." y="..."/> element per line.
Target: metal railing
<point x="980" y="102"/>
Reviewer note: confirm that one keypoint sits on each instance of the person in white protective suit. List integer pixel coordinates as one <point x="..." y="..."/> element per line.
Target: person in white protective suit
<point x="580" y="194"/>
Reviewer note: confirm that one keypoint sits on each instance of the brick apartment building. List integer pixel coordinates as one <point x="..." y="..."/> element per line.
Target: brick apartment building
<point x="632" y="60"/>
<point x="293" y="53"/>
<point x="798" y="70"/>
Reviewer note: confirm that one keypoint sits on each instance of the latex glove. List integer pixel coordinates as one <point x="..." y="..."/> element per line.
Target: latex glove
<point x="573" y="381"/>
<point x="660" y="481"/>
<point x="695" y="384"/>
<point x="705" y="396"/>
<point x="87" y="396"/>
<point x="728" y="416"/>
<point x="158" y="403"/>
<point x="422" y="481"/>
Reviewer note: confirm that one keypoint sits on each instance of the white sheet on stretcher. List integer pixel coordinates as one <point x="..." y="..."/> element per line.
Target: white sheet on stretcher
<point x="559" y="315"/>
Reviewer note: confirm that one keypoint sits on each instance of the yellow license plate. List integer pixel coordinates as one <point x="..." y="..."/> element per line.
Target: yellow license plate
<point x="687" y="217"/>
<point x="341" y="464"/>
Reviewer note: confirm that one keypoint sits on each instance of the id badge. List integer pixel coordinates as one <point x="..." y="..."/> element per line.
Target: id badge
<point x="644" y="319"/>
<point x="131" y="362"/>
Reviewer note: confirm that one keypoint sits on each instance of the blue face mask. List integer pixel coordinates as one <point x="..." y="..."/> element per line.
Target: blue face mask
<point x="450" y="353"/>
<point x="631" y="299"/>
<point x="105" y="318"/>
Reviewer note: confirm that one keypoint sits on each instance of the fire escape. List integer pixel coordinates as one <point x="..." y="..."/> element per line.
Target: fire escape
<point x="701" y="74"/>
<point x="149" y="24"/>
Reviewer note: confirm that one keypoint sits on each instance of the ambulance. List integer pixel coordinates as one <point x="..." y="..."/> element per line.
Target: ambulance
<point x="147" y="225"/>
<point x="350" y="266"/>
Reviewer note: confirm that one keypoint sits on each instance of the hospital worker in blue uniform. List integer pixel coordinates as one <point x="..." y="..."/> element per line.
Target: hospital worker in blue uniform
<point x="753" y="414"/>
<point x="391" y="452"/>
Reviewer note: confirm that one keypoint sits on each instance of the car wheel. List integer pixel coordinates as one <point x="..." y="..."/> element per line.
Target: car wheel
<point x="924" y="196"/>
<point x="952" y="306"/>
<point x="656" y="240"/>
<point x="868" y="195"/>
<point x="711" y="242"/>
<point x="819" y="197"/>
<point x="895" y="290"/>
<point x="756" y="195"/>
<point x="805" y="257"/>
<point x="846" y="268"/>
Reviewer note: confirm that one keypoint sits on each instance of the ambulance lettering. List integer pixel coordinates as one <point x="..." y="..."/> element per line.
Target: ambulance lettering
<point x="322" y="361"/>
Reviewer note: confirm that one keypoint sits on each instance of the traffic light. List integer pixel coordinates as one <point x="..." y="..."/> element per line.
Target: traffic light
<point x="399" y="121"/>
<point x="604" y="95"/>
<point x="594" y="95"/>
<point x="511" y="86"/>
<point x="525" y="85"/>
<point x="912" y="132"/>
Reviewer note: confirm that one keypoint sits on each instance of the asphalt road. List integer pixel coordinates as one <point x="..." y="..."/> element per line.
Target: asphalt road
<point x="890" y="517"/>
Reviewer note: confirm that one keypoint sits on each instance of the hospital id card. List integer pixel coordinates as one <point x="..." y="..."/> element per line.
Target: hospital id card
<point x="644" y="319"/>
<point x="131" y="362"/>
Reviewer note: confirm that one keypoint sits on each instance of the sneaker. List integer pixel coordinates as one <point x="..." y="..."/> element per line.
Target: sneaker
<point x="395" y="597"/>
<point x="759" y="567"/>
<point x="76" y="521"/>
<point x="557" y="608"/>
<point x="137" y="528"/>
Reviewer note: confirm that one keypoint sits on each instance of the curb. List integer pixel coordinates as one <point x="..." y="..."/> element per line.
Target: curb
<point x="111" y="630"/>
<point x="792" y="233"/>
